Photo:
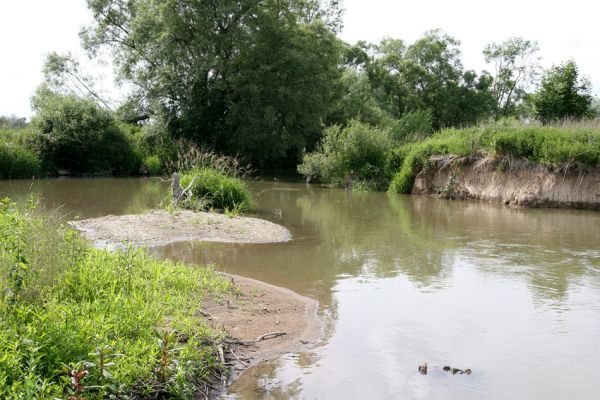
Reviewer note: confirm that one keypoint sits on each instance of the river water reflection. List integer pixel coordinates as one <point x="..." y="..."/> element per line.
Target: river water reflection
<point x="512" y="294"/>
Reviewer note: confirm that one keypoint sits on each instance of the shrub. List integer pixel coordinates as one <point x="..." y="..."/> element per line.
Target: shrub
<point x="18" y="162"/>
<point x="153" y="164"/>
<point x="212" y="189"/>
<point x="65" y="307"/>
<point x="79" y="136"/>
<point x="412" y="126"/>
<point x="358" y="150"/>
<point x="154" y="140"/>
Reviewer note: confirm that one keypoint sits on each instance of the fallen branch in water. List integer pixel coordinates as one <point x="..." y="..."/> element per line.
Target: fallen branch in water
<point x="266" y="336"/>
<point x="244" y="363"/>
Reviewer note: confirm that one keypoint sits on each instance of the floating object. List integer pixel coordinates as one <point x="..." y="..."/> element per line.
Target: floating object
<point x="423" y="369"/>
<point x="455" y="371"/>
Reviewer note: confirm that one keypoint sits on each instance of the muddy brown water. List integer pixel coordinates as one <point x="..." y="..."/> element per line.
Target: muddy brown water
<point x="512" y="294"/>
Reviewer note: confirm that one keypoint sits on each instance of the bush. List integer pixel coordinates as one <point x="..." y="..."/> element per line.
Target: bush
<point x="153" y="164"/>
<point x="359" y="150"/>
<point x="154" y="140"/>
<point x="79" y="136"/>
<point x="412" y="126"/>
<point x="18" y="162"/>
<point x="65" y="306"/>
<point x="212" y="189"/>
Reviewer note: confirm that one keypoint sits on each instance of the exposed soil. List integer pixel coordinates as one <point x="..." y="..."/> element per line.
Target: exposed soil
<point x="517" y="183"/>
<point x="162" y="227"/>
<point x="263" y="322"/>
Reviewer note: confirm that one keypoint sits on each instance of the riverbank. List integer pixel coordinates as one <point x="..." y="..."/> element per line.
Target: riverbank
<point x="162" y="227"/>
<point x="258" y="321"/>
<point x="262" y="322"/>
<point x="517" y="183"/>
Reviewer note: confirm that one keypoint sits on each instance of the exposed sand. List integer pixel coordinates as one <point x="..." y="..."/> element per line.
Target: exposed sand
<point x="162" y="227"/>
<point x="259" y="310"/>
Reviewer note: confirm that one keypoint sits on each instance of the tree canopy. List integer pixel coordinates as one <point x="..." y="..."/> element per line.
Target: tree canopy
<point x="563" y="94"/>
<point x="253" y="76"/>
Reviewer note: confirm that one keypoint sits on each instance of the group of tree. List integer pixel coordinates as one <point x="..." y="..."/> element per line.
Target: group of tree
<point x="263" y="78"/>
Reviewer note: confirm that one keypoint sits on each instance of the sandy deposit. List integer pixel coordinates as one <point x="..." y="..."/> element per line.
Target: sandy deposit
<point x="162" y="227"/>
<point x="282" y="321"/>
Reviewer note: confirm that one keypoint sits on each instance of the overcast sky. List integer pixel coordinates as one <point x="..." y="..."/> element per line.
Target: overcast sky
<point x="30" y="29"/>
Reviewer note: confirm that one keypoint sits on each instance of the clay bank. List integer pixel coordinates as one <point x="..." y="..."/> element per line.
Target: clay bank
<point x="511" y="182"/>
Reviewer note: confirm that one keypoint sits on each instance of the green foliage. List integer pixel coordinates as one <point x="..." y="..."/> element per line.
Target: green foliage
<point x="153" y="164"/>
<point x="17" y="161"/>
<point x="214" y="190"/>
<point x="428" y="76"/>
<point x="79" y="136"/>
<point x="516" y="65"/>
<point x="547" y="145"/>
<point x="414" y="156"/>
<point x="356" y="151"/>
<point x="357" y="101"/>
<point x="413" y="126"/>
<point x="563" y="94"/>
<point x="237" y="76"/>
<point x="12" y="122"/>
<point x="75" y="320"/>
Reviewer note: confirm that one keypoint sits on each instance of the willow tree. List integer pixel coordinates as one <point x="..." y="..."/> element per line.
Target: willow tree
<point x="249" y="76"/>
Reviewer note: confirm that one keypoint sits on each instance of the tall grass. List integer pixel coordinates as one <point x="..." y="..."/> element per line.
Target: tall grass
<point x="17" y="161"/>
<point x="212" y="189"/>
<point x="82" y="323"/>
<point x="572" y="143"/>
<point x="190" y="156"/>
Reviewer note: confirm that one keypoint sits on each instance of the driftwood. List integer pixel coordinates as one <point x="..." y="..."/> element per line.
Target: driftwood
<point x="455" y="371"/>
<point x="423" y="369"/>
<point x="266" y="336"/>
<point x="180" y="192"/>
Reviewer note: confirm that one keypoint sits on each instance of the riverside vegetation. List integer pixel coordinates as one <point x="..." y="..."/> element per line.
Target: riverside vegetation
<point x="85" y="323"/>
<point x="275" y="85"/>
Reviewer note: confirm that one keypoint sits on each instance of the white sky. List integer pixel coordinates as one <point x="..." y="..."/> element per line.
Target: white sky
<point x="29" y="29"/>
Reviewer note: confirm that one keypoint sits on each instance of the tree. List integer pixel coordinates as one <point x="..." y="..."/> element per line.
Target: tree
<point x="428" y="76"/>
<point x="12" y="122"/>
<point x="62" y="74"/>
<point x="516" y="65"/>
<point x="563" y="94"/>
<point x="77" y="135"/>
<point x="237" y="75"/>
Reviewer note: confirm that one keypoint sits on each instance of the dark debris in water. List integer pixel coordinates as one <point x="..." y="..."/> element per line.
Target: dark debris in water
<point x="455" y="371"/>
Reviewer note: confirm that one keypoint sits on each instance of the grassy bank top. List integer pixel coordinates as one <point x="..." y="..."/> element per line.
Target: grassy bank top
<point x="568" y="144"/>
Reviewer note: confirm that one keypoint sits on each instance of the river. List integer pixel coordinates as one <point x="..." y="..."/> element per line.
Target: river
<point x="512" y="294"/>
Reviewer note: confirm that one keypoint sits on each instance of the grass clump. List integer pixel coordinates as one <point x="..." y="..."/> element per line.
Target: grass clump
<point x="82" y="323"/>
<point x="212" y="189"/>
<point x="551" y="145"/>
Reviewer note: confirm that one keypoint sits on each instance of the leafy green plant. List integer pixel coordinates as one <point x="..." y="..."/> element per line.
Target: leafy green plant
<point x="18" y="162"/>
<point x="212" y="189"/>
<point x="64" y="303"/>
<point x="153" y="164"/>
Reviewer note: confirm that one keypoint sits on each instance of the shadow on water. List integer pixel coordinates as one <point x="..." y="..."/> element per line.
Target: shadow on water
<point x="513" y="294"/>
